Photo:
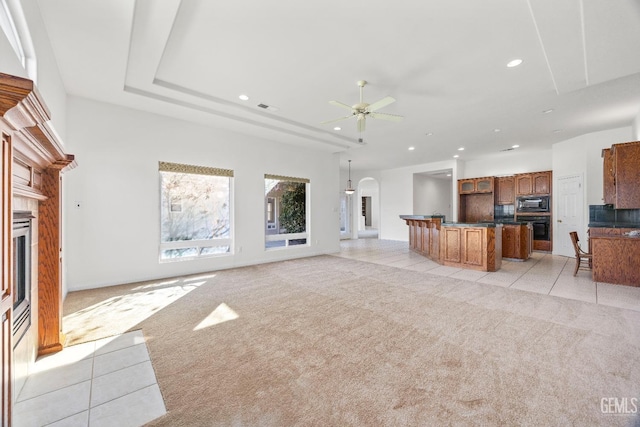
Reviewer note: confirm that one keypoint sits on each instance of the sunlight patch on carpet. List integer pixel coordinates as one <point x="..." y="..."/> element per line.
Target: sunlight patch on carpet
<point x="222" y="313"/>
<point x="127" y="310"/>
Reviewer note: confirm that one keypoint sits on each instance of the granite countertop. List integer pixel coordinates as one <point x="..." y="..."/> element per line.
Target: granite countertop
<point x="614" y="225"/>
<point x="421" y="216"/>
<point x="471" y="225"/>
<point x="507" y="222"/>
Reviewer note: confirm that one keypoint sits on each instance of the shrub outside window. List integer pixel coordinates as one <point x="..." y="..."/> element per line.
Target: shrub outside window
<point x="194" y="211"/>
<point x="286" y="200"/>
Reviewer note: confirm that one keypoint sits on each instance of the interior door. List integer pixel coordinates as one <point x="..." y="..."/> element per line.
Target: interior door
<point x="569" y="215"/>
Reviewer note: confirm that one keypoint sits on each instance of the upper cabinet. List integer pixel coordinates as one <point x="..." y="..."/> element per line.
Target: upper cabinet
<point x="475" y="185"/>
<point x="505" y="190"/>
<point x="622" y="175"/>
<point x="609" y="183"/>
<point x="533" y="183"/>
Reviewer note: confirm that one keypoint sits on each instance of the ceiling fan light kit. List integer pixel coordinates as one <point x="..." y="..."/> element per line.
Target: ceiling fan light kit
<point x="362" y="109"/>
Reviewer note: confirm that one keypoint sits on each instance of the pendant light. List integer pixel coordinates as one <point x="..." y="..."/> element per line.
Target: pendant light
<point x="349" y="189"/>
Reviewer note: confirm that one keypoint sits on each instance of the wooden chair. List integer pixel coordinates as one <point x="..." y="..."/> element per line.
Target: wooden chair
<point x="581" y="256"/>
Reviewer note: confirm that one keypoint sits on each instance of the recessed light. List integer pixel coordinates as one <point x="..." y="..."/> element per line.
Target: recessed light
<point x="514" y="63"/>
<point x="455" y="156"/>
<point x="244" y="97"/>
<point x="515" y="146"/>
<point x="337" y="128"/>
<point x="461" y="149"/>
<point x="429" y="133"/>
<point x="550" y="110"/>
<point x="557" y="131"/>
<point x="496" y="130"/>
<point x="412" y="148"/>
<point x="448" y="174"/>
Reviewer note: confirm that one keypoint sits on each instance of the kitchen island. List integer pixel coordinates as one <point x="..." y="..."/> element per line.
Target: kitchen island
<point x="424" y="234"/>
<point x="463" y="245"/>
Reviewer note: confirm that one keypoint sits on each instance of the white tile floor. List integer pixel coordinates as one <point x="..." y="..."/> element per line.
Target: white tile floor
<point x="109" y="382"/>
<point x="543" y="273"/>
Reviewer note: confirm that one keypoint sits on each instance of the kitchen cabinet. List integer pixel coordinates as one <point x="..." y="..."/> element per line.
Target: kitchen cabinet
<point x="476" y="207"/>
<point x="608" y="180"/>
<point x="625" y="168"/>
<point x="476" y="185"/>
<point x="505" y="190"/>
<point x="517" y="241"/>
<point x="472" y="247"/>
<point x="536" y="183"/>
<point x="615" y="260"/>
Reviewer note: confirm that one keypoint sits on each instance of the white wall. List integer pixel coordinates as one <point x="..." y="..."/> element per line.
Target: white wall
<point x="508" y="163"/>
<point x="432" y="195"/>
<point x="114" y="236"/>
<point x="396" y="196"/>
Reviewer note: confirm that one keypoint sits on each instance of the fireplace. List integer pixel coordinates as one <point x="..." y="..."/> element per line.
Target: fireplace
<point x="21" y="274"/>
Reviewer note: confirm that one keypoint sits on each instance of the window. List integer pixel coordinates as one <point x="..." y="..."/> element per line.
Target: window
<point x="13" y="25"/>
<point x="194" y="211"/>
<point x="286" y="212"/>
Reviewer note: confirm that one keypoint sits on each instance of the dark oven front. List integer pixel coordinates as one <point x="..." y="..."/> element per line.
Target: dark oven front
<point x="541" y="226"/>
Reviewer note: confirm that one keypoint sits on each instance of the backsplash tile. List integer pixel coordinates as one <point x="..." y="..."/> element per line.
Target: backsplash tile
<point x="607" y="214"/>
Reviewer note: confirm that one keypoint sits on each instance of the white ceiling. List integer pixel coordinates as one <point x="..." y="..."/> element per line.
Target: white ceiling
<point x="443" y="61"/>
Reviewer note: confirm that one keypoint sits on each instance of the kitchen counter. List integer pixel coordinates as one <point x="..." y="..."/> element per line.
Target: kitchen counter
<point x="470" y="224"/>
<point x="615" y="259"/>
<point x="405" y="217"/>
<point x="613" y="225"/>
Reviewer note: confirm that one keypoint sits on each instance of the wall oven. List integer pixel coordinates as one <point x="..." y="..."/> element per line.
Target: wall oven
<point x="541" y="226"/>
<point x="526" y="204"/>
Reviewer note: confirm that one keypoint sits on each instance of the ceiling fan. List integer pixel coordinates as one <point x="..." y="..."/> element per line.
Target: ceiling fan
<point x="362" y="110"/>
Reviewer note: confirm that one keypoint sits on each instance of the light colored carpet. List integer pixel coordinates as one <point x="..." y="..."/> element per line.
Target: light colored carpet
<point x="328" y="341"/>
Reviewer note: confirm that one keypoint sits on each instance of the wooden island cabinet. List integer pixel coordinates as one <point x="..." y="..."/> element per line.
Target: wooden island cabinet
<point x="472" y="246"/>
<point x="424" y="234"/>
<point x="517" y="240"/>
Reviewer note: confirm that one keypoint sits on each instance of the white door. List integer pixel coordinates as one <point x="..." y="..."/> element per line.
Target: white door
<point x="569" y="215"/>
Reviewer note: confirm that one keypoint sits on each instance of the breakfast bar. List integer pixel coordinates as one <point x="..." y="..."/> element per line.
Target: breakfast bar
<point x="476" y="246"/>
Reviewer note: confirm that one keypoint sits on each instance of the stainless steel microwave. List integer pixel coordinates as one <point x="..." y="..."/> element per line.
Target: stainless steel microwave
<point x="532" y="204"/>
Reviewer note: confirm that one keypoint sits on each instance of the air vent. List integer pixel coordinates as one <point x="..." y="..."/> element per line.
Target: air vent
<point x="268" y="107"/>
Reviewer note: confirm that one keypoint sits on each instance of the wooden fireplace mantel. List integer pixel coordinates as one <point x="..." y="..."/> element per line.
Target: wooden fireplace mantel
<point x="38" y="160"/>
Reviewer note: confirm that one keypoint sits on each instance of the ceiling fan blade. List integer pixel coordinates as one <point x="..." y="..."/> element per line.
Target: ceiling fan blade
<point x="340" y="104"/>
<point x="386" y="116"/>
<point x="381" y="103"/>
<point x="336" y="120"/>
<point x="361" y="122"/>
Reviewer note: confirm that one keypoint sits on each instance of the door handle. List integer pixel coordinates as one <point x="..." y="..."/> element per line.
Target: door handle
<point x="559" y="220"/>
